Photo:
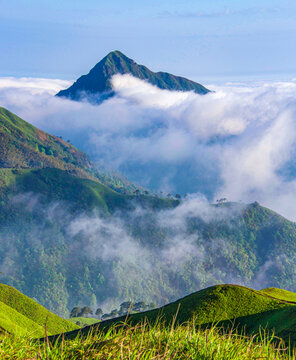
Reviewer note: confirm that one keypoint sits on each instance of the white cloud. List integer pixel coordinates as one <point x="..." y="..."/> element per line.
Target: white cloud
<point x="242" y="135"/>
<point x="35" y="85"/>
<point x="107" y="239"/>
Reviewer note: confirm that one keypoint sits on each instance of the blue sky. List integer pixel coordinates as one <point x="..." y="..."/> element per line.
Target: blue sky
<point x="206" y="40"/>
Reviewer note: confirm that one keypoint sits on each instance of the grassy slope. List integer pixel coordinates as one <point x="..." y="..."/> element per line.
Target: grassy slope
<point x="282" y="322"/>
<point x="149" y="343"/>
<point x="24" y="146"/>
<point x="59" y="185"/>
<point x="84" y="321"/>
<point x="214" y="304"/>
<point x="279" y="294"/>
<point x="20" y="314"/>
<point x="14" y="322"/>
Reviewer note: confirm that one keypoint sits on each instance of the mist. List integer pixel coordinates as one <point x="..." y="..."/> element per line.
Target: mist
<point x="237" y="142"/>
<point x="94" y="258"/>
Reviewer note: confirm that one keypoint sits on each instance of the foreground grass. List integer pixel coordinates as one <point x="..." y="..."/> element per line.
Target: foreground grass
<point x="149" y="342"/>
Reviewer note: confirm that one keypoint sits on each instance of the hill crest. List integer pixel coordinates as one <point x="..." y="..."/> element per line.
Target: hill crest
<point x="219" y="304"/>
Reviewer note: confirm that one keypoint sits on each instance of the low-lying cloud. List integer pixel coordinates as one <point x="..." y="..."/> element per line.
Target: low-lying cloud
<point x="237" y="142"/>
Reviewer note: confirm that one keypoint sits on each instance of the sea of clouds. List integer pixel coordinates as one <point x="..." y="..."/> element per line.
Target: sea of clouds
<point x="237" y="142"/>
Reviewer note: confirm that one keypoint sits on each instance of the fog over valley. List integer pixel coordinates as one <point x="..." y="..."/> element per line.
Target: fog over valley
<point x="237" y="142"/>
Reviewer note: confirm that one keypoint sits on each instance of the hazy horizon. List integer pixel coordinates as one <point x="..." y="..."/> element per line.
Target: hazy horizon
<point x="202" y="41"/>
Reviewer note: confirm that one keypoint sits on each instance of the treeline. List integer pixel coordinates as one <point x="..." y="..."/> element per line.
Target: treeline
<point x="125" y="308"/>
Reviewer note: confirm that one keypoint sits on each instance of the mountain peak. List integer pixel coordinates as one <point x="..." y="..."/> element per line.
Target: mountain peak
<point x="115" y="56"/>
<point x="96" y="85"/>
<point x="113" y="63"/>
<point x="116" y="53"/>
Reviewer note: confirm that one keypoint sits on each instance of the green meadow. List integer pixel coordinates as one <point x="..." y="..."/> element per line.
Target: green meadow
<point x="220" y="322"/>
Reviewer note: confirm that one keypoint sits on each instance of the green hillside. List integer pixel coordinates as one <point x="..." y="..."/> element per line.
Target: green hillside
<point x="280" y="294"/>
<point x="53" y="184"/>
<point x="24" y="146"/>
<point x="214" y="304"/>
<point x="21" y="315"/>
<point x="36" y="206"/>
<point x="83" y="321"/>
<point x="98" y="80"/>
<point x="45" y="261"/>
<point x="80" y="194"/>
<point x="226" y="305"/>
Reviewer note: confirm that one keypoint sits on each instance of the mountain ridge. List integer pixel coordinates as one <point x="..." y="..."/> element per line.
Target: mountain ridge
<point x="98" y="80"/>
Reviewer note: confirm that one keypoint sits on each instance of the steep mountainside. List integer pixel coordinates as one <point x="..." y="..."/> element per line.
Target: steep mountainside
<point x="98" y="80"/>
<point x="21" y="315"/>
<point x="24" y="146"/>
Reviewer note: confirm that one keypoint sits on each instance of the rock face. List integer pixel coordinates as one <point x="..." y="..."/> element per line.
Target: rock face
<point x="96" y="85"/>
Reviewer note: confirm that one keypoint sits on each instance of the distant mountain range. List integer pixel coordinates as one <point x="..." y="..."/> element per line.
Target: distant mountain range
<point x="96" y="85"/>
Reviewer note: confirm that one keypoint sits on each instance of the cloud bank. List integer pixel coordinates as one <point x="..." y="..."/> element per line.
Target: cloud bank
<point x="238" y="142"/>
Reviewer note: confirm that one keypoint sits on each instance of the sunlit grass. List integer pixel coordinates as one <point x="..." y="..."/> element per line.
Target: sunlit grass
<point x="146" y="341"/>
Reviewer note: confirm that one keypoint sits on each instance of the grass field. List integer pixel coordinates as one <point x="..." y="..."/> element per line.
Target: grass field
<point x="220" y="322"/>
<point x="147" y="342"/>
